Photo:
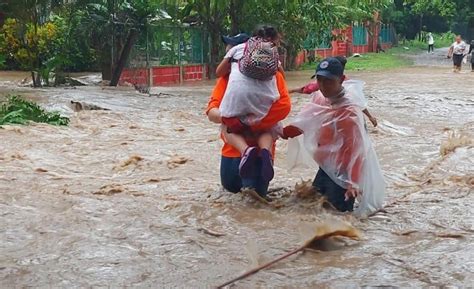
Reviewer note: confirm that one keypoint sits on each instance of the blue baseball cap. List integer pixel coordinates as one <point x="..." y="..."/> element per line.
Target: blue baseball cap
<point x="330" y="67"/>
<point x="236" y="39"/>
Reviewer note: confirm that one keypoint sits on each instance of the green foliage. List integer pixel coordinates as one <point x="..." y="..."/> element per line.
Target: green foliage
<point x="440" y="39"/>
<point x="372" y="62"/>
<point x="412" y="16"/>
<point x="31" y="46"/>
<point x="445" y="8"/>
<point x="19" y="111"/>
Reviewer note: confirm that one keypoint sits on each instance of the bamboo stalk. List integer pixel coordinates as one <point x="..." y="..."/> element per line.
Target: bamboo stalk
<point x="255" y="270"/>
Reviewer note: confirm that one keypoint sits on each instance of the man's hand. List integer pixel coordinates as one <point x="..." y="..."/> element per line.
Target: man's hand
<point x="351" y="193"/>
<point x="373" y="120"/>
<point x="291" y="132"/>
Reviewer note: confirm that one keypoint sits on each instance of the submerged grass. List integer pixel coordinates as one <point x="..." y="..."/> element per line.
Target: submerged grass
<point x="16" y="110"/>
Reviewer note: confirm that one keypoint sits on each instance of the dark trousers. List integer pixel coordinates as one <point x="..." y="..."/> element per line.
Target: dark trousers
<point x="332" y="191"/>
<point x="231" y="180"/>
<point x="457" y="60"/>
<point x="430" y="47"/>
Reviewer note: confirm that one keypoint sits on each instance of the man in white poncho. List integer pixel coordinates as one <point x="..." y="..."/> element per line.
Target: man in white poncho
<point x="335" y="137"/>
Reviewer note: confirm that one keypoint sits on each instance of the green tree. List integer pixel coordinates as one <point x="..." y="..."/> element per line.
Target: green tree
<point x="117" y="25"/>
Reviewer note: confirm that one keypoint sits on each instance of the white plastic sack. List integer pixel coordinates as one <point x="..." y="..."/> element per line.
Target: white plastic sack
<point x="335" y="137"/>
<point x="297" y="155"/>
<point x="247" y="98"/>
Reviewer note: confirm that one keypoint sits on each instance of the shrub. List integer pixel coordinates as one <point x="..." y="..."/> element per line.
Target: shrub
<point x="19" y="111"/>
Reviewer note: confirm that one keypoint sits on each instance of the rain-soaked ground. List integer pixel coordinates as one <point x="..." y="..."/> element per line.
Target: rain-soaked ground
<point x="130" y="196"/>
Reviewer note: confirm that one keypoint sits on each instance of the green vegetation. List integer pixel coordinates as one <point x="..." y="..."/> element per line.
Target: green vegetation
<point x="19" y="111"/>
<point x="377" y="61"/>
<point x="371" y="62"/>
<point x="441" y="40"/>
<point x="49" y="37"/>
<point x="394" y="57"/>
<point x="412" y="17"/>
<point x="105" y="31"/>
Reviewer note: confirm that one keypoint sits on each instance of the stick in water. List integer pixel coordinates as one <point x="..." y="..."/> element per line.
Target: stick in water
<point x="324" y="231"/>
<point x="255" y="270"/>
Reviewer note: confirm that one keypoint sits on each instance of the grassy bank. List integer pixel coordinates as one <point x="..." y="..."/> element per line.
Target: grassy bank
<point x="373" y="61"/>
<point x="395" y="57"/>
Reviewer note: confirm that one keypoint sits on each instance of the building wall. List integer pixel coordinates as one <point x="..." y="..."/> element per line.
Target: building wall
<point x="160" y="75"/>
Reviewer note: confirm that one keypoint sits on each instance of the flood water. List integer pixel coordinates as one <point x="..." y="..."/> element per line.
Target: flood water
<point x="126" y="197"/>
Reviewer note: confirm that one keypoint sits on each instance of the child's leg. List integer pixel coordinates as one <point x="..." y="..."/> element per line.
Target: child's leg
<point x="265" y="142"/>
<point x="248" y="154"/>
<point x="235" y="140"/>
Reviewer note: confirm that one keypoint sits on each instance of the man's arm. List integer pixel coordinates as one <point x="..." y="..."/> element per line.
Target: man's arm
<point x="372" y="119"/>
<point x="298" y="90"/>
<point x="217" y="95"/>
<point x="223" y="68"/>
<point x="214" y="115"/>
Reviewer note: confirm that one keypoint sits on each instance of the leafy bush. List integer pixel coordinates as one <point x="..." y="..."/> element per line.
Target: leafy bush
<point x="19" y="111"/>
<point x="441" y="40"/>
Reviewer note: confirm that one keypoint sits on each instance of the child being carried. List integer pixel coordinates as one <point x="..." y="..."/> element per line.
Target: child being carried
<point x="249" y="95"/>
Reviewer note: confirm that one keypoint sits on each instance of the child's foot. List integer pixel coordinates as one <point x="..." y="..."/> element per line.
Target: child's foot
<point x="267" y="165"/>
<point x="247" y="162"/>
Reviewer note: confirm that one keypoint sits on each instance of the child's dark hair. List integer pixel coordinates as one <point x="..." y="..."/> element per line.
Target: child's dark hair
<point x="266" y="31"/>
<point x="342" y="60"/>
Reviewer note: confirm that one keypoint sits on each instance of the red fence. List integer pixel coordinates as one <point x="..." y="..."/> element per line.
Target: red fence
<point x="160" y="75"/>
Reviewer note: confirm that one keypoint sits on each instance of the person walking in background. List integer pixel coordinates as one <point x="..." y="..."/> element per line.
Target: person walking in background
<point x="456" y="51"/>
<point x="379" y="44"/>
<point x="430" y="41"/>
<point x="471" y="51"/>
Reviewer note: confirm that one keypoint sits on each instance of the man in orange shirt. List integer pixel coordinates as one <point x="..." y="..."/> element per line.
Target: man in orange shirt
<point x="231" y="157"/>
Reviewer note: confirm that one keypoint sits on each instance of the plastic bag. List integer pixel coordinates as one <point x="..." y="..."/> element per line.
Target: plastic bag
<point x="357" y="96"/>
<point x="297" y="155"/>
<point x="335" y="138"/>
<point x="247" y="98"/>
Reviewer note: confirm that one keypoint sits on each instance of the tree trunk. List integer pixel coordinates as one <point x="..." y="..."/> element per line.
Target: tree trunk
<point x="291" y="54"/>
<point x="132" y="37"/>
<point x="420" y="28"/>
<point x="34" y="79"/>
<point x="215" y="40"/>
<point x="235" y="10"/>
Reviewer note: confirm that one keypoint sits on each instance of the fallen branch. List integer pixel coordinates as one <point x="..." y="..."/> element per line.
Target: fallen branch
<point x="209" y="232"/>
<point x="324" y="231"/>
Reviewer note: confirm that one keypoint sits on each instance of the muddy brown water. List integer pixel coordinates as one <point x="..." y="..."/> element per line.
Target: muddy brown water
<point x="127" y="197"/>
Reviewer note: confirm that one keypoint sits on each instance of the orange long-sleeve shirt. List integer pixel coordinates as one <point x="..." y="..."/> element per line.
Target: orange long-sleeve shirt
<point x="279" y="110"/>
